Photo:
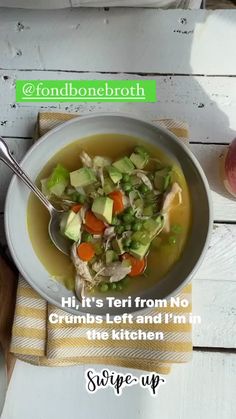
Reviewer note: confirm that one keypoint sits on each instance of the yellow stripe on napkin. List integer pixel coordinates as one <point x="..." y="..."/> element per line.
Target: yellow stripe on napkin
<point x="37" y="341"/>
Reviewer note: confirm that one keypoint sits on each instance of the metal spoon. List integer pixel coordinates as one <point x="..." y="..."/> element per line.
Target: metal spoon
<point x="62" y="243"/>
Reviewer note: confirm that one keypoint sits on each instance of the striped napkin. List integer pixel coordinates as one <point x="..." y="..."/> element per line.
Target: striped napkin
<point x="37" y="341"/>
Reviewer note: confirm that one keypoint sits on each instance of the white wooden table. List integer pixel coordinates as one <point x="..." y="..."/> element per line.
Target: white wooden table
<point x="192" y="57"/>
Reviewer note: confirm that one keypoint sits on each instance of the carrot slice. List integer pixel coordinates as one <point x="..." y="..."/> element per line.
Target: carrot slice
<point x="85" y="251"/>
<point x="76" y="208"/>
<point x="93" y="224"/>
<point x="137" y="265"/>
<point x="118" y="204"/>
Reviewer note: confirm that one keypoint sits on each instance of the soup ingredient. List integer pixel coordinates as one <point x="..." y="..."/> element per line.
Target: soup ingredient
<point x="140" y="251"/>
<point x="118" y="204"/>
<point x="102" y="208"/>
<point x="111" y="256"/>
<point x="114" y="174"/>
<point x="58" y="180"/>
<point x="162" y="179"/>
<point x="137" y="266"/>
<point x="230" y="169"/>
<point x="82" y="177"/>
<point x="71" y="225"/>
<point x="124" y="165"/>
<point x="139" y="160"/>
<point x="116" y="209"/>
<point x="169" y="203"/>
<point x="93" y="224"/>
<point x="85" y="251"/>
<point x="76" y="208"/>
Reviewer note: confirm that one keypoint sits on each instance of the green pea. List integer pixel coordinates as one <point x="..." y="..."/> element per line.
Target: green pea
<point x="129" y="211"/>
<point x="127" y="187"/>
<point x="104" y="287"/>
<point x="128" y="218"/>
<point x="119" y="287"/>
<point x="114" y="220"/>
<point x="74" y="196"/>
<point x="127" y="242"/>
<point x="87" y="237"/>
<point x="143" y="188"/>
<point x="134" y="244"/>
<point x="136" y="226"/>
<point x="126" y="177"/>
<point x="176" y="228"/>
<point x="113" y="286"/>
<point x="81" y="199"/>
<point x="172" y="240"/>
<point x="120" y="229"/>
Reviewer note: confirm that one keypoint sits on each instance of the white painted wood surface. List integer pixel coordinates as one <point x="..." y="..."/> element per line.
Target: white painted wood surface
<point x="155" y="41"/>
<point x="58" y="4"/>
<point x="208" y="104"/>
<point x="138" y="41"/>
<point x="204" y="388"/>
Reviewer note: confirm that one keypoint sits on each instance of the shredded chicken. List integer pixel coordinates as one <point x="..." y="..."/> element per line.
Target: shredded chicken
<point x="109" y="231"/>
<point x="101" y="175"/>
<point x="109" y="234"/>
<point x="98" y="266"/>
<point x="170" y="196"/>
<point x="101" y="161"/>
<point x="83" y="274"/>
<point x="86" y="159"/>
<point x="116" y="271"/>
<point x="82" y="212"/>
<point x="145" y="180"/>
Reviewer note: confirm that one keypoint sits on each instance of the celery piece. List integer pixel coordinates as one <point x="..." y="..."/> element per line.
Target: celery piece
<point x="58" y="180"/>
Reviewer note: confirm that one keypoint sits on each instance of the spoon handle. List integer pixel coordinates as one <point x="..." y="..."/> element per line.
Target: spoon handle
<point x="8" y="159"/>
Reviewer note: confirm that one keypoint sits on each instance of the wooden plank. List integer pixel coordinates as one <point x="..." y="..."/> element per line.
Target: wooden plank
<point x="58" y="4"/>
<point x="201" y="389"/>
<point x="208" y="156"/>
<point x="208" y="104"/>
<point x="173" y="41"/>
<point x="215" y="302"/>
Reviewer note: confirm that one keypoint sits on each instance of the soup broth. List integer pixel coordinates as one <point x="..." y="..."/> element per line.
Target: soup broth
<point x="164" y="251"/>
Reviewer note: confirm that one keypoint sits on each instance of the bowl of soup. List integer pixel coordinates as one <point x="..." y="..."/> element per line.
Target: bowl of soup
<point x="137" y="213"/>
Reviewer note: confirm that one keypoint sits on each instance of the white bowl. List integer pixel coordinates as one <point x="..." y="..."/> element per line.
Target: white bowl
<point x="17" y="199"/>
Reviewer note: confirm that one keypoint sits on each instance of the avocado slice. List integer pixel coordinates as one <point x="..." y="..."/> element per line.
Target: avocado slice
<point x="114" y="174"/>
<point x="153" y="225"/>
<point x="148" y="211"/>
<point x="109" y="186"/>
<point x="140" y="252"/>
<point x="124" y="165"/>
<point x="102" y="207"/>
<point x="82" y="177"/>
<point x="139" y="160"/>
<point x="44" y="187"/>
<point x="70" y="226"/>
